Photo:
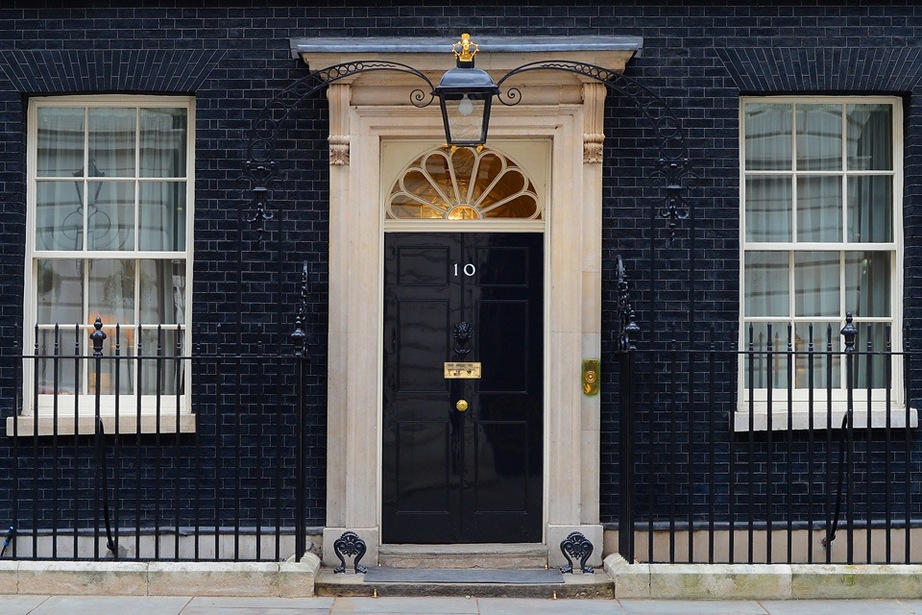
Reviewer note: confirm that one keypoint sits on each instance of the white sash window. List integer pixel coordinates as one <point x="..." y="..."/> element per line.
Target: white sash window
<point x="821" y="237"/>
<point x="108" y="237"/>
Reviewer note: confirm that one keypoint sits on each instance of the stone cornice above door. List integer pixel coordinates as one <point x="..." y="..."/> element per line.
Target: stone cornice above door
<point x="496" y="53"/>
<point x="369" y="86"/>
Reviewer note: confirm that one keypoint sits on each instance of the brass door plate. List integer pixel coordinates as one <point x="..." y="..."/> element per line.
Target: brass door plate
<point x="462" y="369"/>
<point x="590" y="377"/>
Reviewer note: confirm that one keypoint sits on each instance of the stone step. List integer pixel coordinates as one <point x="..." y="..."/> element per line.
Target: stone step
<point x="598" y="585"/>
<point x="515" y="556"/>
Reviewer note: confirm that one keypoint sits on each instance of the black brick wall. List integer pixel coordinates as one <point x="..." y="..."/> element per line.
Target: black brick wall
<point x="697" y="57"/>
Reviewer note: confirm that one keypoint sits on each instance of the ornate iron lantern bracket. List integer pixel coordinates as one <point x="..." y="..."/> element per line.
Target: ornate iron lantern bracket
<point x="672" y="166"/>
<point x="260" y="170"/>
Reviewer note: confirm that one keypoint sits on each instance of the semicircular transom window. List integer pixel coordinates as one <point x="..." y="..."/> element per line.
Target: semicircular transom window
<point x="464" y="184"/>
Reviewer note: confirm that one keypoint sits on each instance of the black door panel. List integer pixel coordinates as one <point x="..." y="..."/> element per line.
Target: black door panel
<point x="453" y="473"/>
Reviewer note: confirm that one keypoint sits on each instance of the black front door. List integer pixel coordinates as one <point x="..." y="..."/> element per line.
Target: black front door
<point x="462" y="449"/>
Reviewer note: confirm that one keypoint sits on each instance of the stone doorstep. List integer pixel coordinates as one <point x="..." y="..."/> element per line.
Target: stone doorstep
<point x="598" y="585"/>
<point x="462" y="556"/>
<point x="763" y="581"/>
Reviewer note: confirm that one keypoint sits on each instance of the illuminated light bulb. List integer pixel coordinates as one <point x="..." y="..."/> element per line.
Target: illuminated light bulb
<point x="465" y="106"/>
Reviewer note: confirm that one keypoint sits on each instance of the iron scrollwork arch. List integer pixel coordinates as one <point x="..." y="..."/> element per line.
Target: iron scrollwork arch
<point x="672" y="165"/>
<point x="261" y="168"/>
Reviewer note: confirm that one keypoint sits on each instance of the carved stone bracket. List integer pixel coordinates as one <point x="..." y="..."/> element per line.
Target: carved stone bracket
<point x="350" y="544"/>
<point x="592" y="148"/>
<point x="593" y="119"/>
<point x="338" y="96"/>
<point x="339" y="150"/>
<point x="576" y="546"/>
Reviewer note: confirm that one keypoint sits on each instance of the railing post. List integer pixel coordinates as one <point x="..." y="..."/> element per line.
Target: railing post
<point x="626" y="500"/>
<point x="850" y="333"/>
<point x="98" y="336"/>
<point x="628" y="328"/>
<point x="299" y="341"/>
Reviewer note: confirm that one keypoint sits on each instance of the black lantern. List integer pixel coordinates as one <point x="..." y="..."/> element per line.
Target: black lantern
<point x="465" y="94"/>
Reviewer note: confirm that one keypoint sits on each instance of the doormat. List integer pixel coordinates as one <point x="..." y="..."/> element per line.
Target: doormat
<point x="381" y="574"/>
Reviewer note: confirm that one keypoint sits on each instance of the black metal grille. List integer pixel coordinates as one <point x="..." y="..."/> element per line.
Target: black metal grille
<point x="86" y="486"/>
<point x="831" y="475"/>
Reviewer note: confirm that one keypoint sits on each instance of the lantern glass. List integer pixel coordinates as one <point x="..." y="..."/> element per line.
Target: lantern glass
<point x="466" y="119"/>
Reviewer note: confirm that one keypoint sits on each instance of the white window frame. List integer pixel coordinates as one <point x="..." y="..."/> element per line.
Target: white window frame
<point x="167" y="413"/>
<point x="753" y="413"/>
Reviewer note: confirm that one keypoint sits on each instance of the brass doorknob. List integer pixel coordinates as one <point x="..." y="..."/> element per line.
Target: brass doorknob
<point x="461" y="405"/>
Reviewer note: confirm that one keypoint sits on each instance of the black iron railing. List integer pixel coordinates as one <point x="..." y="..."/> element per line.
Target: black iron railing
<point x="783" y="451"/>
<point x="153" y="452"/>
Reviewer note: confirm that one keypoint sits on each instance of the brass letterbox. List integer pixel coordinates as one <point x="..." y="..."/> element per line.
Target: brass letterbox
<point x="462" y="369"/>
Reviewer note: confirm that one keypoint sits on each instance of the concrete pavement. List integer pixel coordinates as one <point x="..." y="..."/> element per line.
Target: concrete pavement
<point x="148" y="605"/>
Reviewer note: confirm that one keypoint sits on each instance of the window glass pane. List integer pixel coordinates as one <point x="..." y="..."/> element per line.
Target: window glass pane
<point x="59" y="291"/>
<point x="816" y="284"/>
<point x="824" y="337"/>
<point x="768" y="137"/>
<point x="819" y="208"/>
<point x="163" y="216"/>
<point x="766" y="284"/>
<point x="870" y="208"/>
<point x="768" y="209"/>
<point x="59" y="215"/>
<point x="870" y="144"/>
<point x="766" y="363"/>
<point x="111" y="291"/>
<point x="162" y="291"/>
<point x="61" y="374"/>
<point x="112" y="142"/>
<point x="867" y="283"/>
<point x="60" y="142"/>
<point x="163" y="142"/>
<point x="524" y="206"/>
<point x="110" y="216"/>
<point x="113" y="378"/>
<point x="871" y="365"/>
<point x="489" y="167"/>
<point x="159" y="375"/>
<point x="122" y="336"/>
<point x="819" y="137"/>
<point x="466" y="184"/>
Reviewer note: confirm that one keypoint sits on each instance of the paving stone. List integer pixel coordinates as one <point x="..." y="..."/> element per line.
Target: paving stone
<point x="259" y="606"/>
<point x="404" y="606"/>
<point x="836" y="607"/>
<point x="110" y="605"/>
<point x="20" y="605"/>
<point x="692" y="607"/>
<point x="513" y="606"/>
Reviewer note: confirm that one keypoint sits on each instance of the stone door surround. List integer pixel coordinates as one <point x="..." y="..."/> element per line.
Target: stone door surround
<point x="371" y="108"/>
